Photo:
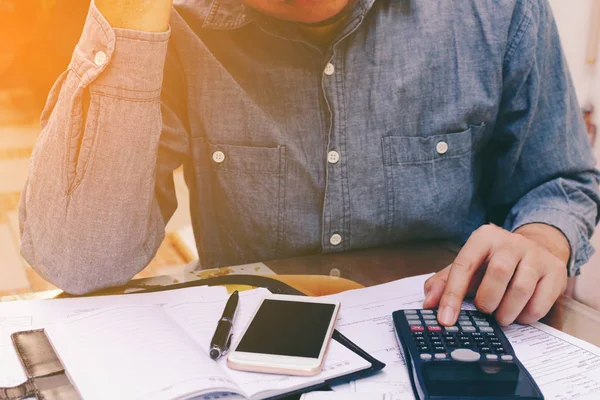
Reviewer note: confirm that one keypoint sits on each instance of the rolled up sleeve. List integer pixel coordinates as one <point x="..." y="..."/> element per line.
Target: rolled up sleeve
<point x="89" y="213"/>
<point x="551" y="205"/>
<point x="542" y="166"/>
<point x="120" y="60"/>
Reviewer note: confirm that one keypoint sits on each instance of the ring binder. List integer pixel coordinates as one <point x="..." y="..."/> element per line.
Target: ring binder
<point x="46" y="377"/>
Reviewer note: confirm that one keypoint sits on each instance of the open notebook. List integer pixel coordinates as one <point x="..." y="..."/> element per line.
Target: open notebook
<point x="154" y="352"/>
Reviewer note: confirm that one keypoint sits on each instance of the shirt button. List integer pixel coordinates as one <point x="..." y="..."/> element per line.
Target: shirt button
<point x="333" y="157"/>
<point x="335" y="272"/>
<point x="329" y="69"/>
<point x="441" y="147"/>
<point x="100" y="58"/>
<point x="218" y="157"/>
<point x="335" y="239"/>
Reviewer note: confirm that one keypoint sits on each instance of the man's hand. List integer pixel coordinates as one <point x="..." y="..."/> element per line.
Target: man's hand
<point x="138" y="15"/>
<point x="518" y="276"/>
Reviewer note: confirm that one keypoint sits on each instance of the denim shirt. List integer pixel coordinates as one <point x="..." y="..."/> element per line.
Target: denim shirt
<point x="422" y="119"/>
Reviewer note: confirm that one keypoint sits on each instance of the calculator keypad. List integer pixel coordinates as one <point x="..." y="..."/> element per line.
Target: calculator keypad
<point x="471" y="339"/>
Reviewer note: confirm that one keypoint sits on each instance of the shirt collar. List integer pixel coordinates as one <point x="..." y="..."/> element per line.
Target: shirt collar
<point x="225" y="14"/>
<point x="232" y="14"/>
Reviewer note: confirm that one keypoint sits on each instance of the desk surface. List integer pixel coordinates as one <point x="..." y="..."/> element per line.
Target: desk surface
<point x="375" y="266"/>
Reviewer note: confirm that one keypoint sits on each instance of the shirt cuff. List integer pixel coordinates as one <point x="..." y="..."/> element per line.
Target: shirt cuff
<point x="119" y="62"/>
<point x="581" y="249"/>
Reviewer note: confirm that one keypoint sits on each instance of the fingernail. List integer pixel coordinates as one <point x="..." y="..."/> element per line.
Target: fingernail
<point x="446" y="315"/>
<point x="426" y="299"/>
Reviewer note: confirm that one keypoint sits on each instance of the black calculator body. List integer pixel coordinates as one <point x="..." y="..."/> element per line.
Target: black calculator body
<point x="471" y="360"/>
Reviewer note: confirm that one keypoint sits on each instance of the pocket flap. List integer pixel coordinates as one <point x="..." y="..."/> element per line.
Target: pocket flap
<point x="241" y="158"/>
<point x="413" y="149"/>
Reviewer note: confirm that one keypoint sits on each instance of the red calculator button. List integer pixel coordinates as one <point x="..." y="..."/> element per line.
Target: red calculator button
<point x="417" y="328"/>
<point x="434" y="328"/>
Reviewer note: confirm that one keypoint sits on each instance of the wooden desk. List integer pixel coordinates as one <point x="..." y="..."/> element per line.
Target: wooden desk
<point x="322" y="274"/>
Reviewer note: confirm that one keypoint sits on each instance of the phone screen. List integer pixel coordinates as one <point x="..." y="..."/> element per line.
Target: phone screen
<point x="288" y="328"/>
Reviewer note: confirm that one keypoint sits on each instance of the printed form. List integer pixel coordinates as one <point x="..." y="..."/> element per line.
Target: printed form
<point x="564" y="367"/>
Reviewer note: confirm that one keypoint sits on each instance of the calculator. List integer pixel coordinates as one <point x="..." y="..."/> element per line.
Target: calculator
<point x="471" y="360"/>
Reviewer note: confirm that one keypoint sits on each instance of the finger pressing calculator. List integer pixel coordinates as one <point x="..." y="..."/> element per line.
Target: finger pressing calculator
<point x="472" y="359"/>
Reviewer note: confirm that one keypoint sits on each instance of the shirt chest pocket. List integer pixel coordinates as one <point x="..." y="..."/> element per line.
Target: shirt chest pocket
<point x="242" y="198"/>
<point x="430" y="184"/>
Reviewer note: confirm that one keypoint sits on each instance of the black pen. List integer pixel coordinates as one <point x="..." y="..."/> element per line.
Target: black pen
<point x="221" y="340"/>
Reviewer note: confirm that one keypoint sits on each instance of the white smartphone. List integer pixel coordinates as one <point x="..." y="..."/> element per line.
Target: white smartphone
<point x="287" y="335"/>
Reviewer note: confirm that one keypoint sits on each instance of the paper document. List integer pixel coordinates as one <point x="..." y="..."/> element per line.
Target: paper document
<point x="564" y="367"/>
<point x="341" y="396"/>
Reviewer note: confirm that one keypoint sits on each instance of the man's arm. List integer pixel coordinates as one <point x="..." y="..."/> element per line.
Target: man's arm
<point x="90" y="212"/>
<point x="137" y="15"/>
<point x="543" y="187"/>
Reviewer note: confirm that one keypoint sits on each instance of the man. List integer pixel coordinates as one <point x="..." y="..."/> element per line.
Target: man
<point x="319" y="125"/>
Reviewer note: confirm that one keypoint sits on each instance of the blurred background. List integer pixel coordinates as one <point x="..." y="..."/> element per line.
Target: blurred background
<point x="37" y="38"/>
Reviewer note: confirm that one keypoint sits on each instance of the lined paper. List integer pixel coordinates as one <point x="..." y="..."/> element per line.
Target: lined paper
<point x="134" y="352"/>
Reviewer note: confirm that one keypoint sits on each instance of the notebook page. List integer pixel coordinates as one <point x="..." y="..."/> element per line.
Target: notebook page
<point x="200" y="318"/>
<point x="36" y="314"/>
<point x="134" y="352"/>
<point x="201" y="325"/>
